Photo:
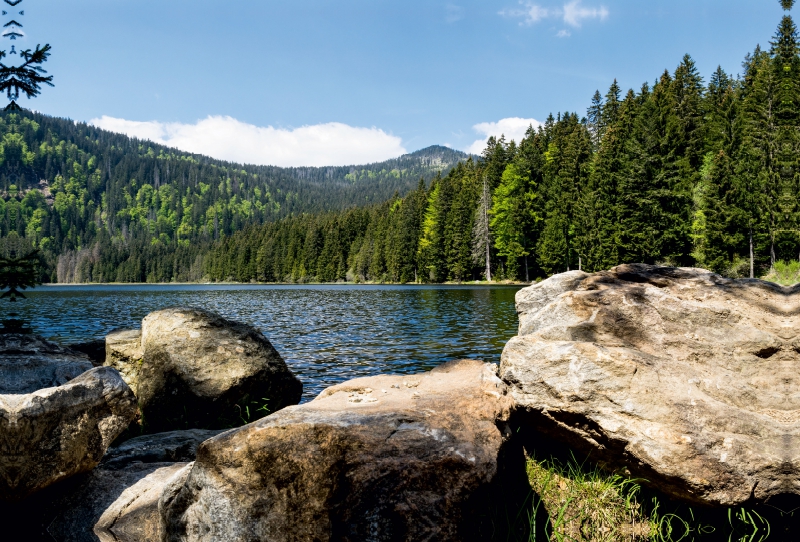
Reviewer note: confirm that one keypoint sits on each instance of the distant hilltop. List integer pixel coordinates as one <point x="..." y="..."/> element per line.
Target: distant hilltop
<point x="131" y="182"/>
<point x="424" y="163"/>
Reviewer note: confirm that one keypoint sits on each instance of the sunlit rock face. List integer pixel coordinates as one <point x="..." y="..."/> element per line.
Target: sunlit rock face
<point x="200" y="370"/>
<point x="57" y="414"/>
<point x="684" y="378"/>
<point x="382" y="458"/>
<point x="124" y="353"/>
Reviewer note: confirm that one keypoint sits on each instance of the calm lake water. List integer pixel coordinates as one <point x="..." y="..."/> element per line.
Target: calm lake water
<point x="326" y="334"/>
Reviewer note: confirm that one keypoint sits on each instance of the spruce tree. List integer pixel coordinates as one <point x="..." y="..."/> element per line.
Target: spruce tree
<point x="513" y="217"/>
<point x="481" y="232"/>
<point x="25" y="78"/>
<point x="601" y="202"/>
<point x="723" y="207"/>
<point x="594" y="118"/>
<point x="566" y="170"/>
<point x="783" y="196"/>
<point x="459" y="222"/>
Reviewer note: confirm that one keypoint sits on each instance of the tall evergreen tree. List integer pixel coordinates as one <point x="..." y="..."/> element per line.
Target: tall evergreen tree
<point x="566" y="169"/>
<point x="481" y="231"/>
<point x="786" y="226"/>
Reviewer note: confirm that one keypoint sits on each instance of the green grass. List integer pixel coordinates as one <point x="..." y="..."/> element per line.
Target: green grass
<point x="588" y="504"/>
<point x="784" y="273"/>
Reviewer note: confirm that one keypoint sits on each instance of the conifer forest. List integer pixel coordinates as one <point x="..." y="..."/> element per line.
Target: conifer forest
<point x="681" y="171"/>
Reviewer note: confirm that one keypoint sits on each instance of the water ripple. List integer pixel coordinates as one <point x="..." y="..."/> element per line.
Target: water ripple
<point x="327" y="333"/>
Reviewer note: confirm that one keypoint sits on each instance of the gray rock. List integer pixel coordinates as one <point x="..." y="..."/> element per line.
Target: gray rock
<point x="681" y="377"/>
<point x="124" y="353"/>
<point x="119" y="505"/>
<point x="201" y="370"/>
<point x="379" y="458"/>
<point x="171" y="447"/>
<point x="54" y="433"/>
<point x="29" y="363"/>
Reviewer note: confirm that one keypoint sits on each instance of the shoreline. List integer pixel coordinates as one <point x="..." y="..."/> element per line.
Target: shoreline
<point x="233" y="283"/>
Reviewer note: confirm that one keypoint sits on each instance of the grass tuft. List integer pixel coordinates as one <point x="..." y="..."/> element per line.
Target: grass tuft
<point x="588" y="504"/>
<point x="784" y="273"/>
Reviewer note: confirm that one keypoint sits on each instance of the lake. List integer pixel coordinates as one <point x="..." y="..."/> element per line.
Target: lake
<point x="326" y="333"/>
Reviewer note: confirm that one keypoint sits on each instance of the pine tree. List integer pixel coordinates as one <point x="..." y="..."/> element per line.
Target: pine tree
<point x="481" y="233"/>
<point x="566" y="170"/>
<point x="27" y="77"/>
<point x="513" y="217"/>
<point x="785" y="49"/>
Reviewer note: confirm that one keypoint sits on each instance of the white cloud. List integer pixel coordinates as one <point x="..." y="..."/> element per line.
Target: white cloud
<point x="575" y="13"/>
<point x="513" y="128"/>
<point x="530" y="13"/>
<point x="572" y="13"/>
<point x="563" y="33"/>
<point x="225" y="138"/>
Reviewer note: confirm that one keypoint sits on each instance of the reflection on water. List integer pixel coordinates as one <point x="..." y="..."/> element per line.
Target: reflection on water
<point x="327" y="334"/>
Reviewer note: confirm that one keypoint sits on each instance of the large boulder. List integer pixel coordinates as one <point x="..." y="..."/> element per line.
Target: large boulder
<point x="683" y="378"/>
<point x="54" y="433"/>
<point x="379" y="458"/>
<point x="201" y="370"/>
<point x="123" y="352"/>
<point x="29" y="363"/>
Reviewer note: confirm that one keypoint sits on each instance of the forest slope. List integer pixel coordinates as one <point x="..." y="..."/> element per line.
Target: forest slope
<point x="71" y="188"/>
<point x="680" y="172"/>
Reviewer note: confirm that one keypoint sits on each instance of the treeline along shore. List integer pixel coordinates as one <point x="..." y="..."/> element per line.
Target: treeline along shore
<point x="679" y="171"/>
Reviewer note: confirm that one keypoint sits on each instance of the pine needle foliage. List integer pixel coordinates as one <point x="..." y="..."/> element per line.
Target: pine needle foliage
<point x="26" y="78"/>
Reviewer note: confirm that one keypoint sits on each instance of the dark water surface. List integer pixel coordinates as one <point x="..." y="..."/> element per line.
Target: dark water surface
<point x="327" y="333"/>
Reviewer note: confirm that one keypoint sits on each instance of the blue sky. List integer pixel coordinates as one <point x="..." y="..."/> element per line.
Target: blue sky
<point x="313" y="82"/>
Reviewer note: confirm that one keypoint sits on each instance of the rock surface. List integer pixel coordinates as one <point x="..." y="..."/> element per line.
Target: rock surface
<point x="29" y="363"/>
<point x="114" y="505"/>
<point x="170" y="447"/>
<point x="682" y="377"/>
<point x="201" y="370"/>
<point x="379" y="458"/>
<point x="124" y="353"/>
<point x="118" y="500"/>
<point x="54" y="433"/>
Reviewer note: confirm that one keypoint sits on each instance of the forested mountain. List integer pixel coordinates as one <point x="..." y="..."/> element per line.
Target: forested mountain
<point x="678" y="171"/>
<point x="105" y="207"/>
